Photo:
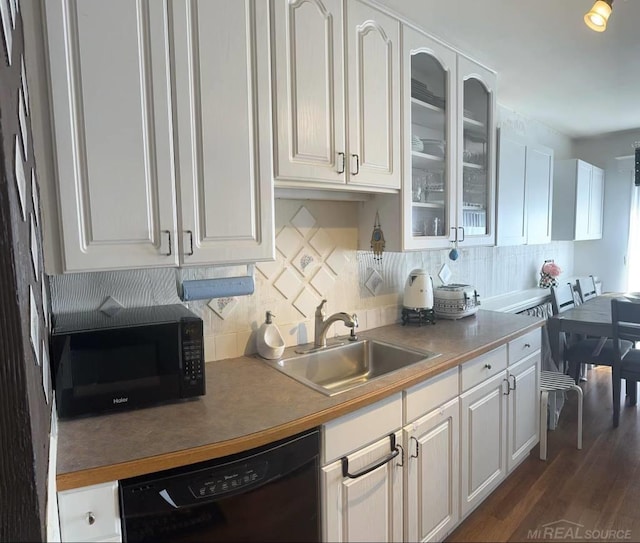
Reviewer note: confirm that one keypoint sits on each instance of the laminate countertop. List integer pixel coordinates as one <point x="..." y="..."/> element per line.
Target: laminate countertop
<point x="248" y="404"/>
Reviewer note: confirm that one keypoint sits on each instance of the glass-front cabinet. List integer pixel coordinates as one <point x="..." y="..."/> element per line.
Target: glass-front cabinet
<point x="429" y="105"/>
<point x="448" y="105"/>
<point x="476" y="154"/>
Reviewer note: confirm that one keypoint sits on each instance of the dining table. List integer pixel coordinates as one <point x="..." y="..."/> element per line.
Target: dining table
<point x="591" y="318"/>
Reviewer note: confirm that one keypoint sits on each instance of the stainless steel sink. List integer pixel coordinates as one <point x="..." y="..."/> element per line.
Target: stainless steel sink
<point x="332" y="370"/>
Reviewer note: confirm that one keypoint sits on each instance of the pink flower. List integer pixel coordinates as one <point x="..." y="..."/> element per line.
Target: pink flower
<point x="551" y="269"/>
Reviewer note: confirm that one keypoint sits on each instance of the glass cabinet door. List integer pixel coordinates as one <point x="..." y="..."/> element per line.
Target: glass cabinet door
<point x="428" y="121"/>
<point x="475" y="189"/>
<point x="476" y="150"/>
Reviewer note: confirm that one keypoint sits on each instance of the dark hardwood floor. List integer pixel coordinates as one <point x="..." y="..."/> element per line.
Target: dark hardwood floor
<point x="591" y="494"/>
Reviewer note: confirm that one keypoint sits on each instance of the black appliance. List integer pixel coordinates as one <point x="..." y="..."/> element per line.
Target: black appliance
<point x="133" y="358"/>
<point x="271" y="493"/>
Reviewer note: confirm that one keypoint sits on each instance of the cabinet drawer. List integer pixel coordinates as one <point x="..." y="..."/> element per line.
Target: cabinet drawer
<point x="90" y="513"/>
<point x="423" y="397"/>
<point x="355" y="430"/>
<point x="524" y="346"/>
<point x="483" y="367"/>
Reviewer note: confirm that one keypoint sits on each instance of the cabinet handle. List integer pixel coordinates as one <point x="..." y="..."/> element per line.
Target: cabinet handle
<point x="190" y="253"/>
<point x="401" y="464"/>
<point x="341" y="158"/>
<point x="514" y="382"/>
<point x="357" y="164"/>
<point x="417" y="448"/>
<point x="527" y="346"/>
<point x="395" y="451"/>
<point x="461" y="228"/>
<point x="91" y="518"/>
<point x="455" y="230"/>
<point x="169" y="238"/>
<point x="505" y="380"/>
<point x="488" y="366"/>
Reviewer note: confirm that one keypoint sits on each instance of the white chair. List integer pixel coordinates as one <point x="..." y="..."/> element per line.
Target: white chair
<point x="586" y="287"/>
<point x="551" y="381"/>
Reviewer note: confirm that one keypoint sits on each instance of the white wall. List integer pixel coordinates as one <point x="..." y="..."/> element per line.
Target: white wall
<point x="606" y="257"/>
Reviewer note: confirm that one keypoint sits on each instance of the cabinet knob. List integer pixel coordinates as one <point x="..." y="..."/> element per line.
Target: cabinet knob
<point x="488" y="366"/>
<point x="91" y="518"/>
<point x="527" y="345"/>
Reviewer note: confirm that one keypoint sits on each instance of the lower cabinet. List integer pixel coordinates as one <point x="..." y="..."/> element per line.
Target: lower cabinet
<point x="523" y="413"/>
<point x="361" y="474"/>
<point x="90" y="513"/>
<point x="484" y="440"/>
<point x="432" y="467"/>
<point x="365" y="505"/>
<point x="463" y="431"/>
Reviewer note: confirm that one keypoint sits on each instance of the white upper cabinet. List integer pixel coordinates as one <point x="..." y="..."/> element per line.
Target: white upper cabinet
<point x="525" y="190"/>
<point x="578" y="199"/>
<point x="222" y="103"/>
<point x="511" y="220"/>
<point x="110" y="84"/>
<point x="475" y="153"/>
<point x="429" y="195"/>
<point x="448" y="190"/>
<point x="373" y="68"/>
<point x="317" y="143"/>
<point x="309" y="97"/>
<point x="539" y="195"/>
<point x="129" y="117"/>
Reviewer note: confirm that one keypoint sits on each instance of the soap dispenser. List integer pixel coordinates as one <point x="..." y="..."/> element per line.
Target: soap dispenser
<point x="269" y="340"/>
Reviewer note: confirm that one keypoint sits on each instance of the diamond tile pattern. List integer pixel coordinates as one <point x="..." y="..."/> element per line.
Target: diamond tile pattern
<point x="306" y="302"/>
<point x="288" y="241"/>
<point x="323" y="281"/>
<point x="288" y="284"/>
<point x="306" y="261"/>
<point x="303" y="221"/>
<point x="322" y="242"/>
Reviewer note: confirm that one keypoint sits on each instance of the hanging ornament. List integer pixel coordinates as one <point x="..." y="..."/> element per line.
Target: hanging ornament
<point x="377" y="240"/>
<point x="453" y="253"/>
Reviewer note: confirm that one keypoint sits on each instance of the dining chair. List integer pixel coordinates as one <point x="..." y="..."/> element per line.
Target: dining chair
<point x="586" y="288"/>
<point x="580" y="350"/>
<point x="625" y="321"/>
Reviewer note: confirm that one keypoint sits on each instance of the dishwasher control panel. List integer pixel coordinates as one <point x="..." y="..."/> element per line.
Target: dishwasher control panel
<point x="223" y="482"/>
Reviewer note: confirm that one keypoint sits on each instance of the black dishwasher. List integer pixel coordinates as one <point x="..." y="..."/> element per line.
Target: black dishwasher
<point x="271" y="493"/>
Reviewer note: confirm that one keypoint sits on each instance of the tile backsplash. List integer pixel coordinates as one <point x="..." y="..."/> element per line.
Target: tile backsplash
<point x="316" y="258"/>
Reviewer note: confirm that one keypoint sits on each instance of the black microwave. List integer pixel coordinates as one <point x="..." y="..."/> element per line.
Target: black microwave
<point x="136" y="357"/>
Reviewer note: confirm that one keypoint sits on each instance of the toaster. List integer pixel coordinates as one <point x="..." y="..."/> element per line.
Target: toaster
<point x="455" y="301"/>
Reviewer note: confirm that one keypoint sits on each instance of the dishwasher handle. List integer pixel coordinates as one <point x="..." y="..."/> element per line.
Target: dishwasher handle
<point x="395" y="451"/>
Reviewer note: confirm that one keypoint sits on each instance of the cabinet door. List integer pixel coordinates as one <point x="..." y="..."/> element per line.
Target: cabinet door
<point x="583" y="200"/>
<point x="308" y="81"/>
<point x="90" y="513"/>
<point x="373" y="68"/>
<point x="511" y="227"/>
<point x="484" y="440"/>
<point x="596" y="203"/>
<point x="476" y="153"/>
<point x="368" y="508"/>
<point x="432" y="451"/>
<point x="539" y="193"/>
<point x="222" y="89"/>
<point x="429" y="71"/>
<point x="524" y="398"/>
<point x="109" y="66"/>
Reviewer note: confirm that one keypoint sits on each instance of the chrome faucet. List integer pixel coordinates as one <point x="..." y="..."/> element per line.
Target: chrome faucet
<point x="322" y="325"/>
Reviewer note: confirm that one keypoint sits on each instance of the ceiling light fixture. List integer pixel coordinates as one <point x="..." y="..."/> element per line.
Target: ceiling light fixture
<point x="596" y="19"/>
